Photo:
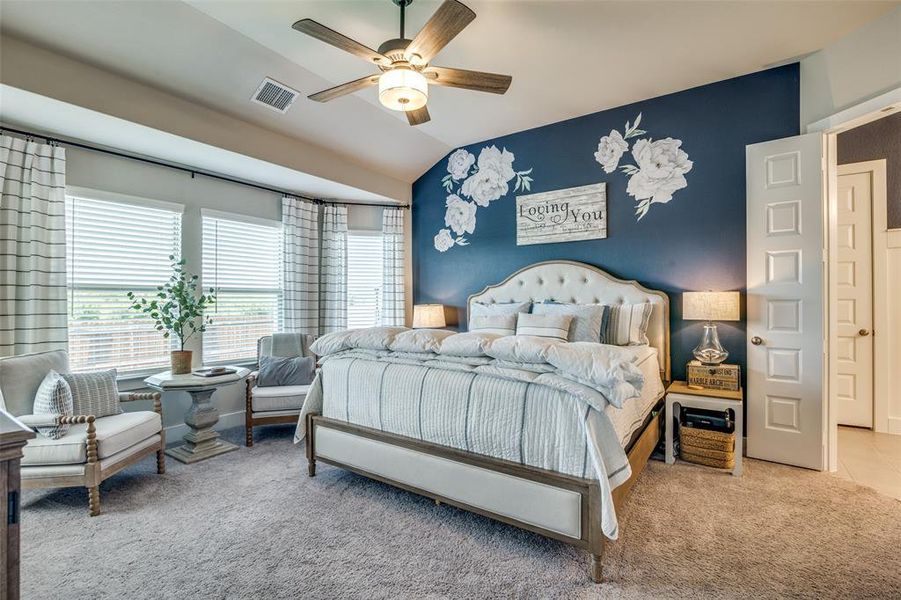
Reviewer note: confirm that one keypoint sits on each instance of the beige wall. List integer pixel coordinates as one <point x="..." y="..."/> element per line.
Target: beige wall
<point x="859" y="66"/>
<point x="38" y="70"/>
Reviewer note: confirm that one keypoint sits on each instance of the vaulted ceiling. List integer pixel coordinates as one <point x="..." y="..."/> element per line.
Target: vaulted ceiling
<point x="566" y="58"/>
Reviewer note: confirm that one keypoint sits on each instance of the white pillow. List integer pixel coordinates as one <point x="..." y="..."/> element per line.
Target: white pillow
<point x="480" y="309"/>
<point x="626" y="324"/>
<point x="373" y="338"/>
<point x="521" y="348"/>
<point x="587" y="318"/>
<point x="473" y="343"/>
<point x="555" y="327"/>
<point x="53" y="398"/>
<point x="330" y="343"/>
<point x="499" y="324"/>
<point x="419" y="340"/>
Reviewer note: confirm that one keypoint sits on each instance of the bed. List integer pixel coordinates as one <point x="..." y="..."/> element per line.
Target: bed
<point x="543" y="488"/>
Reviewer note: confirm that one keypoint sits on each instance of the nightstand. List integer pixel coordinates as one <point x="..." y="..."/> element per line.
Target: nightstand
<point x="678" y="394"/>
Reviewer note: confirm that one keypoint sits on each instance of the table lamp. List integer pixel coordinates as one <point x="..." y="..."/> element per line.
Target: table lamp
<point x="710" y="307"/>
<point x="428" y="316"/>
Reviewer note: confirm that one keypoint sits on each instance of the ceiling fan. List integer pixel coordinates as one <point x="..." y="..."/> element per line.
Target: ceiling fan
<point x="406" y="72"/>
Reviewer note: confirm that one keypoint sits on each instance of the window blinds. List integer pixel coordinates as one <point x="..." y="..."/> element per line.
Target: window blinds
<point x="364" y="278"/>
<point x="241" y="260"/>
<point x="113" y="248"/>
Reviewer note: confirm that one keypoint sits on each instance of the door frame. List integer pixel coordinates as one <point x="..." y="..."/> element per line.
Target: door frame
<point x="865" y="112"/>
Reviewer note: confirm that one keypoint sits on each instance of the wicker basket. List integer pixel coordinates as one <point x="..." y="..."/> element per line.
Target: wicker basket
<point x="706" y="447"/>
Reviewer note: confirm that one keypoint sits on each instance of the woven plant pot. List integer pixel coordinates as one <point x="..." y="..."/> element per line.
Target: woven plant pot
<point x="180" y="361"/>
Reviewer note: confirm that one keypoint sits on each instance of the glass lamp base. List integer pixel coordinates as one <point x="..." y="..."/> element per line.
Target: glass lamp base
<point x="710" y="351"/>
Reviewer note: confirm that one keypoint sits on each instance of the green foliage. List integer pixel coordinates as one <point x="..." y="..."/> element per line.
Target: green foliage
<point x="177" y="308"/>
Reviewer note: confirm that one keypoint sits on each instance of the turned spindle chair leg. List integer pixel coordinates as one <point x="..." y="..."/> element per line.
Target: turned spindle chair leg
<point x="94" y="500"/>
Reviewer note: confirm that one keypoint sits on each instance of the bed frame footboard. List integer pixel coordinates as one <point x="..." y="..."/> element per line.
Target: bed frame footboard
<point x="552" y="504"/>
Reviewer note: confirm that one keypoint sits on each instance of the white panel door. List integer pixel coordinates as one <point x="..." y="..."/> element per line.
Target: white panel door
<point x="785" y="300"/>
<point x="854" y="310"/>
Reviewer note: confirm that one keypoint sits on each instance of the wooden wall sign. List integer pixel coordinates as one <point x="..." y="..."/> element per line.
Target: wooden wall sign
<point x="569" y="215"/>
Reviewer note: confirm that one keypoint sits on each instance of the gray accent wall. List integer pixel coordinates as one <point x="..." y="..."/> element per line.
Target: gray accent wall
<point x="877" y="140"/>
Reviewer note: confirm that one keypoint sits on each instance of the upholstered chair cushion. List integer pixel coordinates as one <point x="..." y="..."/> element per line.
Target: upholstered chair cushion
<point x="287" y="397"/>
<point x="21" y="376"/>
<point x="280" y="371"/>
<point x="114" y="434"/>
<point x="94" y="393"/>
<point x="53" y="398"/>
<point x="264" y="345"/>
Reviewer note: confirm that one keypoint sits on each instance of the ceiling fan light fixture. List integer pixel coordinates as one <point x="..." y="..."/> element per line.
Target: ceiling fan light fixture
<point x="403" y="89"/>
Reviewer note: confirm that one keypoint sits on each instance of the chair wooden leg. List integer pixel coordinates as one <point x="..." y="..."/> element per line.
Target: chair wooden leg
<point x="161" y="461"/>
<point x="94" y="500"/>
<point x="248" y="435"/>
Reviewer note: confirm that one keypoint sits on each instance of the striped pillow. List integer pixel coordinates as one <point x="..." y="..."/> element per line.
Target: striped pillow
<point x="94" y="393"/>
<point x="626" y="324"/>
<point x="497" y="324"/>
<point x="53" y="398"/>
<point x="555" y="327"/>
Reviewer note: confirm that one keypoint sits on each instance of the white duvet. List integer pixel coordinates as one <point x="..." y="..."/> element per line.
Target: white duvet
<point x="520" y="398"/>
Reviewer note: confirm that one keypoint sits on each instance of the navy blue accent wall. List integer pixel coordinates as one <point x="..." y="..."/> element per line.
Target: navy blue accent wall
<point x="695" y="242"/>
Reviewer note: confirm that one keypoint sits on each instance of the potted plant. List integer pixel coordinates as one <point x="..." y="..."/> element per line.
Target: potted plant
<point x="177" y="309"/>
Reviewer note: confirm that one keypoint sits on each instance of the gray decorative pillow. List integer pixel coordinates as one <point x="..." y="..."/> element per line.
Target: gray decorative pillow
<point x="53" y="398"/>
<point x="94" y="393"/>
<point x="587" y="318"/>
<point x="480" y="309"/>
<point x="280" y="370"/>
<point x="626" y="324"/>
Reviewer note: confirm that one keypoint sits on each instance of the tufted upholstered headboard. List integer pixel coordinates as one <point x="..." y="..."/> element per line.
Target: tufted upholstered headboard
<point x="579" y="283"/>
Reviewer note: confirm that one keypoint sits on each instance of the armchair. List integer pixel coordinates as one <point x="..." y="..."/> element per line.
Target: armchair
<point x="94" y="448"/>
<point x="273" y="405"/>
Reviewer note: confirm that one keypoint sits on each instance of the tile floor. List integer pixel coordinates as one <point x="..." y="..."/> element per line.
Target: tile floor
<point x="870" y="459"/>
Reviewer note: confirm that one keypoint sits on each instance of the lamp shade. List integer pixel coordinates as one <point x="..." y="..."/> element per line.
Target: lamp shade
<point x="710" y="306"/>
<point x="428" y="315"/>
<point x="403" y="89"/>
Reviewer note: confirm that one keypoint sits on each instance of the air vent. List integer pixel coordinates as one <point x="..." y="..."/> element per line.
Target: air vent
<point x="275" y="95"/>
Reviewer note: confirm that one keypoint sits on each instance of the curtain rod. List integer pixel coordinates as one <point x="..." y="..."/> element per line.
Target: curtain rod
<point x="192" y="171"/>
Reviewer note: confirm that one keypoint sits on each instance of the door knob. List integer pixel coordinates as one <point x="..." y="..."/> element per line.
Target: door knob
<point x="756" y="340"/>
<point x="863" y="332"/>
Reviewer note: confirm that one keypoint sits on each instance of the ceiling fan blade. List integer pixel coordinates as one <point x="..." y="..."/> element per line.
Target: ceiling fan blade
<point x="418" y="116"/>
<point x="330" y="36"/>
<point x="469" y="80"/>
<point x="345" y="88"/>
<point x="449" y="20"/>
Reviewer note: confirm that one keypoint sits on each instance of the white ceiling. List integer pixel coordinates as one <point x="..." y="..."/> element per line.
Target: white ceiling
<point x="566" y="58"/>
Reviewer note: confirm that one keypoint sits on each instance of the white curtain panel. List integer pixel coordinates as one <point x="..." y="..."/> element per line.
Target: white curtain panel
<point x="32" y="247"/>
<point x="392" y="314"/>
<point x="333" y="271"/>
<point x="300" y="264"/>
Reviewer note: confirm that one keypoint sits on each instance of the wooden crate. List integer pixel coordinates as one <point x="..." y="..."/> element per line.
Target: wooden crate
<point x="719" y="377"/>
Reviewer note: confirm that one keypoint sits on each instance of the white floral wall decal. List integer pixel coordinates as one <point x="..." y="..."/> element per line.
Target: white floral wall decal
<point x="659" y="169"/>
<point x="471" y="184"/>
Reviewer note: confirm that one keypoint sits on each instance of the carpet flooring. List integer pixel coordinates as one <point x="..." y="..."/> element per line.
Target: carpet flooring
<point x="251" y="524"/>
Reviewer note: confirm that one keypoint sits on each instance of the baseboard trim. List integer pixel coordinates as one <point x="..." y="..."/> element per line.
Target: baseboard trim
<point x="894" y="425"/>
<point x="174" y="433"/>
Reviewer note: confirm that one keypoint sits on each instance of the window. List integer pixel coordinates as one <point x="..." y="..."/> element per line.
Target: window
<point x="115" y="245"/>
<point x="242" y="261"/>
<point x="364" y="278"/>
